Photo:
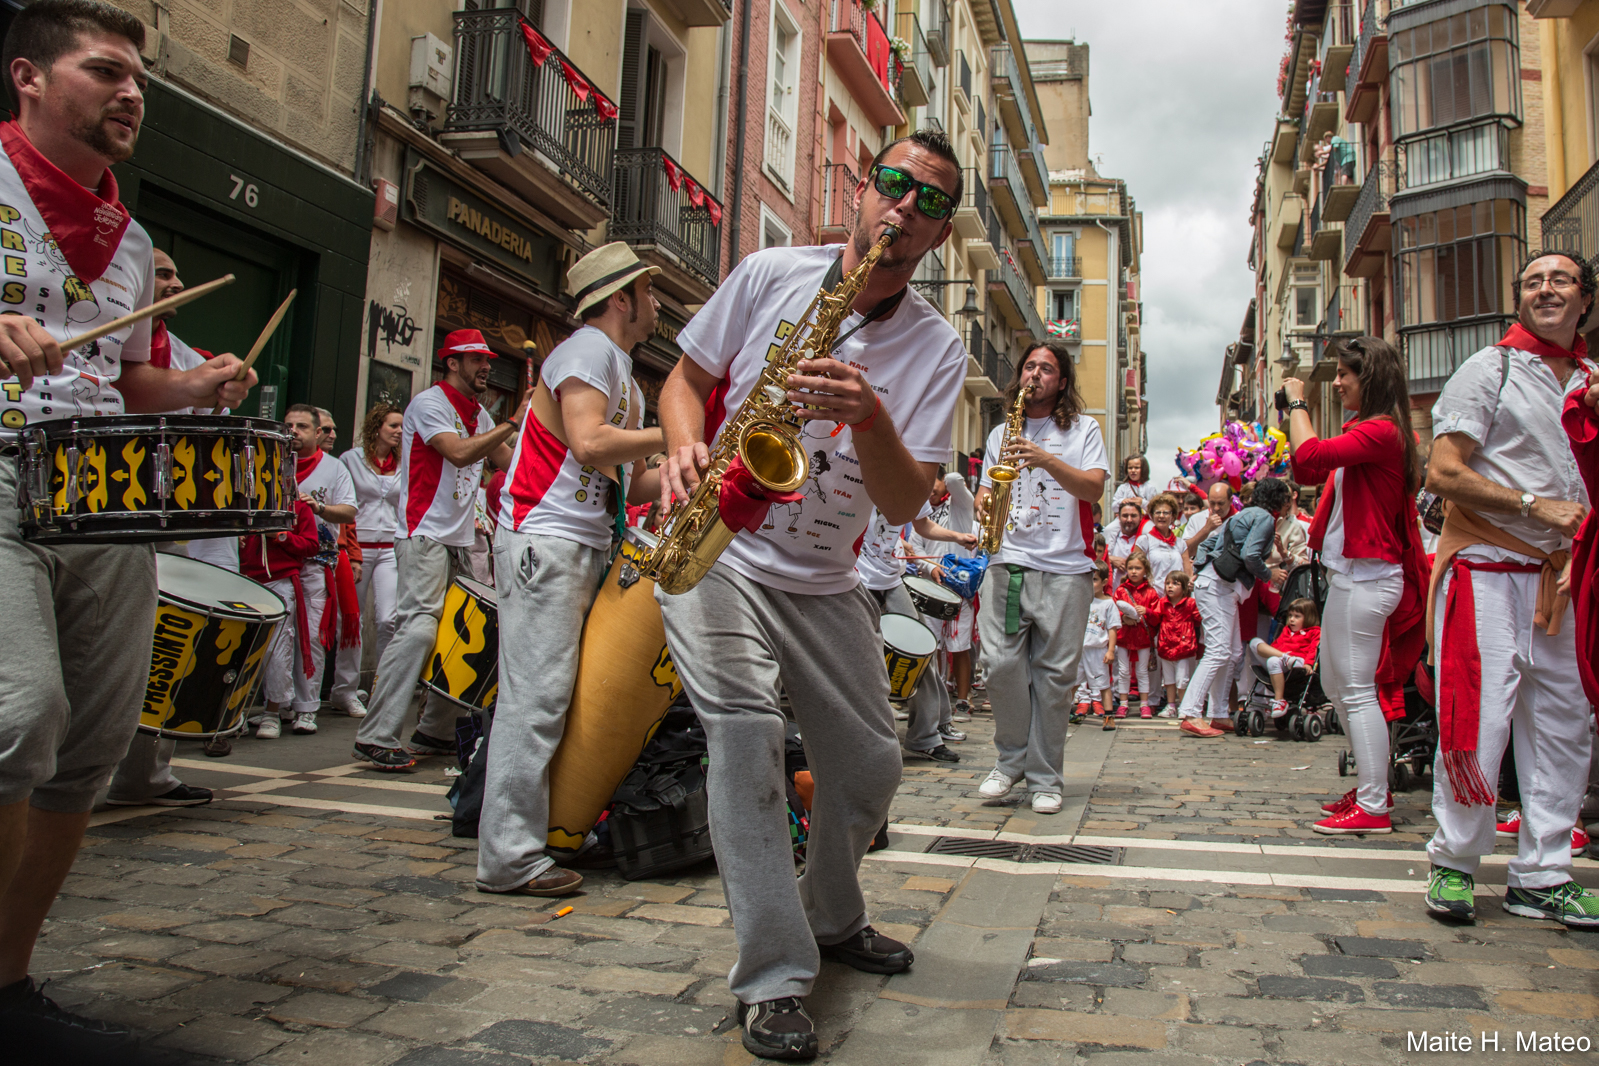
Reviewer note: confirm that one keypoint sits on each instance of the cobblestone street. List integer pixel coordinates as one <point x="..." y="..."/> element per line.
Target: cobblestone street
<point x="318" y="913"/>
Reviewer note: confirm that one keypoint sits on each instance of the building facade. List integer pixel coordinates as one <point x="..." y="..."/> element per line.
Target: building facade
<point x="1093" y="234"/>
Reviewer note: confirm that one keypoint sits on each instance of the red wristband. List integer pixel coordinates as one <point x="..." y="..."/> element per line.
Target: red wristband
<point x="865" y="424"/>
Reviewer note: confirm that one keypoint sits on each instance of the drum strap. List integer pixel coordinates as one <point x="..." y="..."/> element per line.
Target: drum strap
<point x="1013" y="599"/>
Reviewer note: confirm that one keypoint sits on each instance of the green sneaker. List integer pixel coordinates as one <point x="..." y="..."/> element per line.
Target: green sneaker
<point x="1570" y="904"/>
<point x="1452" y="894"/>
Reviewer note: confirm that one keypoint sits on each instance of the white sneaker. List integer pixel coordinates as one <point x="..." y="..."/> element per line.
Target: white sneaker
<point x="1167" y="712"/>
<point x="962" y="712"/>
<point x="353" y="706"/>
<point x="996" y="784"/>
<point x="269" y="729"/>
<point x="304" y="723"/>
<point x="1046" y="803"/>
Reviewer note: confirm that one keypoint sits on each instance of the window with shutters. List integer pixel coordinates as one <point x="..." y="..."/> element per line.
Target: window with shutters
<point x="651" y="104"/>
<point x="782" y="101"/>
<point x="1456" y="69"/>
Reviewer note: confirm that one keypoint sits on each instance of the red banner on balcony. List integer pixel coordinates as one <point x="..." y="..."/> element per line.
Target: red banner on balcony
<point x="877" y="49"/>
<point x="674" y="173"/>
<point x="696" y="195"/>
<point x="538" y="49"/>
<point x="715" y="209"/>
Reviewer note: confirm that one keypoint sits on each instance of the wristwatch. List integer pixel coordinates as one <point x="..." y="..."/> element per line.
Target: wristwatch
<point x="1527" y="500"/>
<point x="1299" y="405"/>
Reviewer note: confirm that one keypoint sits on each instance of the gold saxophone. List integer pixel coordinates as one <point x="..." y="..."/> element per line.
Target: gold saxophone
<point x="764" y="435"/>
<point x="1003" y="475"/>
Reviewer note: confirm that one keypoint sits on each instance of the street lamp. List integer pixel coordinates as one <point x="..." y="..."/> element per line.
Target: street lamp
<point x="970" y="310"/>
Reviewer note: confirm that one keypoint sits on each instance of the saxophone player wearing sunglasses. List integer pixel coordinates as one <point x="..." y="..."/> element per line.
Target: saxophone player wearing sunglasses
<point x="782" y="606"/>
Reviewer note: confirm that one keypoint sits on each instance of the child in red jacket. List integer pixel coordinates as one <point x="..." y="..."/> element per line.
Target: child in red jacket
<point x="294" y="658"/>
<point x="1136" y="636"/>
<point x="1296" y="647"/>
<point x="1176" y="620"/>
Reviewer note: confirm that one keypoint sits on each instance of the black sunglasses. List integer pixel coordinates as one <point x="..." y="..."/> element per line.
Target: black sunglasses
<point x="931" y="201"/>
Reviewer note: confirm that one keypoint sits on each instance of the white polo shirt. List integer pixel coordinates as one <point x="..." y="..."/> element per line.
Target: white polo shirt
<point x="1050" y="529"/>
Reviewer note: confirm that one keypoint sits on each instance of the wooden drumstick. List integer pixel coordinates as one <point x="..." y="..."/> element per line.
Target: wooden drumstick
<point x="156" y="308"/>
<point x="260" y="342"/>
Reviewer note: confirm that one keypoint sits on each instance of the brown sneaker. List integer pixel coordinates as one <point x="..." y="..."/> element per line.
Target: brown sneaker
<point x="1196" y="727"/>
<point x="559" y="882"/>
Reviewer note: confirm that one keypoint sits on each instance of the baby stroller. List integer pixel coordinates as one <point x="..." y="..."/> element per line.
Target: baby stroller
<point x="1310" y="715"/>
<point x="1413" y="739"/>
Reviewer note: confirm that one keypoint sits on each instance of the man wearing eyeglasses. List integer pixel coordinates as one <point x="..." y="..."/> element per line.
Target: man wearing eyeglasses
<point x="1504" y="644"/>
<point x="784" y="609"/>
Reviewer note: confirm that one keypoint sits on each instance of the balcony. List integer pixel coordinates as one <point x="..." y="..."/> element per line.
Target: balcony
<point x="1326" y="238"/>
<point x="1289" y="223"/>
<point x="1368" y="67"/>
<point x="938" y="33"/>
<point x="971" y="214"/>
<point x="1338" y="189"/>
<point x="677" y="229"/>
<point x="1433" y="353"/>
<point x="1337" y="40"/>
<point x="916" y="84"/>
<point x="857" y="46"/>
<point x="779" y="154"/>
<point x="1572" y="224"/>
<point x="838" y="204"/>
<point x="1321" y="111"/>
<point x="929" y="279"/>
<point x="1457" y="153"/>
<point x="1010" y="200"/>
<point x="963" y="82"/>
<point x="523" y="125"/>
<point x="698" y="12"/>
<point x="1065" y="266"/>
<point x="1010" y="102"/>
<point x="1368" y="231"/>
<point x="1010" y="293"/>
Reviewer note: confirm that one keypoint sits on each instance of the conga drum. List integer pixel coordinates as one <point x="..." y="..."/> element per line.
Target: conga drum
<point x="212" y="629"/>
<point x="465" y="665"/>
<point x="625" y="683"/>
<point x="908" y="647"/>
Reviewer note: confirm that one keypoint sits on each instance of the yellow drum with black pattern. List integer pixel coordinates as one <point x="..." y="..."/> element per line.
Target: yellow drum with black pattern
<point x="465" y="665"/>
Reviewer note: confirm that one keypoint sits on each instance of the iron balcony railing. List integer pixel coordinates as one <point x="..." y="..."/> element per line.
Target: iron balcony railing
<point x="1572" y="224"/>
<point x="1374" y="194"/>
<point x="1339" y="169"/>
<point x="1434" y="353"/>
<point x="965" y="69"/>
<point x="1004" y="69"/>
<point x="938" y="32"/>
<point x="1065" y="266"/>
<point x="1370" y="30"/>
<point x="649" y="211"/>
<point x="1003" y="166"/>
<point x="929" y="278"/>
<point x="849" y="17"/>
<point x="981" y="125"/>
<point x="1338" y="27"/>
<point x="1457" y="153"/>
<point x="497" y="87"/>
<point x="1020" y="292"/>
<point x="975" y="193"/>
<point x="920" y="60"/>
<point x="838" y="197"/>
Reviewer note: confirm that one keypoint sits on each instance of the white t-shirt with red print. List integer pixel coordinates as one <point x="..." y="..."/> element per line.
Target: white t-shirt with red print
<point x="439" y="496"/>
<point x="548" y="491"/>
<point x="913" y="359"/>
<point x="36" y="280"/>
<point x="1049" y="529"/>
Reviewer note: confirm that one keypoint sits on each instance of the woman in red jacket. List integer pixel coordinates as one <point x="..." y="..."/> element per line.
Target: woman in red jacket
<point x="1372" y="474"/>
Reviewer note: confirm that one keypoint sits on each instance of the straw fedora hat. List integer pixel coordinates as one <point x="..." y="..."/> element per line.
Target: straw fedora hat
<point x="607" y="269"/>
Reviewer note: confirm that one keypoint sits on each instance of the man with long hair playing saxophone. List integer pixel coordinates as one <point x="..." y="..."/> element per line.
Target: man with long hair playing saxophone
<point x="787" y="609"/>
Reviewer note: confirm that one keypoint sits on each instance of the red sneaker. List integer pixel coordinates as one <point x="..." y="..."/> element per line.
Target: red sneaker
<point x="1121" y="712"/>
<point x="1354" y="821"/>
<point x="1510" y="828"/>
<point x="1099" y="708"/>
<point x="1341" y="804"/>
<point x="1579" y="841"/>
<point x="1082" y="709"/>
<point x="1145" y="712"/>
<point x="1197" y="727"/>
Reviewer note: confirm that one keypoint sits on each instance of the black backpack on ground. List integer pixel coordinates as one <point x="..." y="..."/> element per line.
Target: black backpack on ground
<point x="659" y="821"/>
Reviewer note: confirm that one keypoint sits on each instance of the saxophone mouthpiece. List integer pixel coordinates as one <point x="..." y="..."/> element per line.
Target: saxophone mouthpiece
<point x="892" y="233"/>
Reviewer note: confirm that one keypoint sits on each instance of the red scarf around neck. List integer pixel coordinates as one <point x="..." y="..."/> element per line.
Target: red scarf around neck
<point x="86" y="226"/>
<point x="1519" y="336"/>
<point x="303" y="465"/>
<point x="465" y="406"/>
<point x="1164" y="538"/>
<point x="388" y="464"/>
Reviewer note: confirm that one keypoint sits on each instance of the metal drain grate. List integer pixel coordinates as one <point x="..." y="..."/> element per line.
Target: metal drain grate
<point x="1017" y="851"/>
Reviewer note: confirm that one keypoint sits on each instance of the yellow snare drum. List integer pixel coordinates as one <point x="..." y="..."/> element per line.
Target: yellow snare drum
<point x="465" y="665"/>
<point x="212" y="628"/>
<point x="908" y="647"/>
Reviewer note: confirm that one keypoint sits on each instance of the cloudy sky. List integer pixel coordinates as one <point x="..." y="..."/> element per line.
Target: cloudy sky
<point x="1183" y="96"/>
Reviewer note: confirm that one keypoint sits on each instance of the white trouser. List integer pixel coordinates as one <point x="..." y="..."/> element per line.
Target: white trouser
<point x="1126" y="660"/>
<point x="1218" y="602"/>
<point x="1275" y="664"/>
<point x="1093" y="674"/>
<point x="1355" y="614"/>
<point x="1176" y="672"/>
<point x="379" y="575"/>
<point x="286" y="683"/>
<point x="1529" y="680"/>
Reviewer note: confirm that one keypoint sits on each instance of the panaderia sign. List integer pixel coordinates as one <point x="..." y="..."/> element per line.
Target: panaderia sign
<point x="449" y="210"/>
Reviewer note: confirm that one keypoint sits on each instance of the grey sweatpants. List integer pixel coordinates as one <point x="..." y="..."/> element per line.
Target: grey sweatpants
<point x="426" y="568"/>
<point x="79" y="619"/>
<point x="547" y="585"/>
<point x="734" y="641"/>
<point x="1032" y="673"/>
<point x="145" y="772"/>
<point x="930" y="707"/>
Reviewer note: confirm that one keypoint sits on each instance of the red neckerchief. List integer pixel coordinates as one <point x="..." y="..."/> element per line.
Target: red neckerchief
<point x="160" y="346"/>
<point x="1518" y="336"/>
<point x="304" y="465"/>
<point x="464" y="406"/>
<point x="86" y="226"/>
<point x="1164" y="538"/>
<point x="388" y="464"/>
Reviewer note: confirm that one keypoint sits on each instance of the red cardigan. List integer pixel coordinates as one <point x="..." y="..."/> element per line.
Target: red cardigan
<point x="1583" y="428"/>
<point x="1179" y="629"/>
<point x="271" y="556"/>
<point x="1373" y="462"/>
<point x="1135" y="636"/>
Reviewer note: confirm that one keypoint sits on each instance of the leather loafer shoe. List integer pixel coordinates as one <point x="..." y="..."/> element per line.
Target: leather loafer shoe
<point x="871" y="951"/>
<point x="557" y="882"/>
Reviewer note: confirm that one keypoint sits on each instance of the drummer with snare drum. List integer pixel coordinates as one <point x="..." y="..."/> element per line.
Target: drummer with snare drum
<point x="70" y="676"/>
<point x="444" y="438"/>
<point x="558" y="515"/>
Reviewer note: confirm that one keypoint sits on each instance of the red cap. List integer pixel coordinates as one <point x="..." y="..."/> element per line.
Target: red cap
<point x="462" y="341"/>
